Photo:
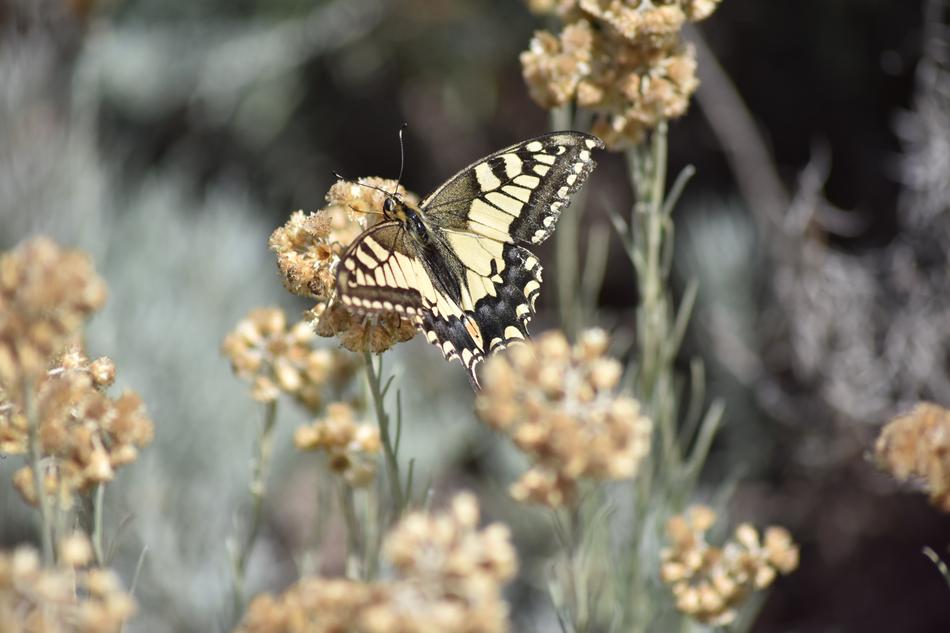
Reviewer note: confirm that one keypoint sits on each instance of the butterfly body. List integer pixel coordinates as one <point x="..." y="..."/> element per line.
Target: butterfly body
<point x="458" y="264"/>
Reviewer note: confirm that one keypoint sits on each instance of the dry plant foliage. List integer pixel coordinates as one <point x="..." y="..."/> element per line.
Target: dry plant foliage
<point x="276" y="358"/>
<point x="623" y="60"/>
<point x="559" y="405"/>
<point x="917" y="446"/>
<point x="448" y="577"/>
<point x="308" y="249"/>
<point x="67" y="598"/>
<point x="352" y="447"/>
<point x="46" y="294"/>
<point x="83" y="434"/>
<point x="710" y="583"/>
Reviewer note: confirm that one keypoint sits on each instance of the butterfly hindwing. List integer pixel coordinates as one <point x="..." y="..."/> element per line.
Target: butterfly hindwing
<point x="516" y="194"/>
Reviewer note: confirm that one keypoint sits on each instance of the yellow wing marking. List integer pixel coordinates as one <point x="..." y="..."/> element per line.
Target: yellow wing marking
<point x="486" y="178"/>
<point x="512" y="164"/>
<point x="505" y="202"/>
<point x="486" y="220"/>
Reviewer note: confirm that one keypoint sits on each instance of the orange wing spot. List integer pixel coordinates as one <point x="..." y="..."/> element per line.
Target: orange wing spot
<point x="473" y="330"/>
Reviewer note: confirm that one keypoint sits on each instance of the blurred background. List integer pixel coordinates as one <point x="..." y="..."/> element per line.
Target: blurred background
<point x="169" y="138"/>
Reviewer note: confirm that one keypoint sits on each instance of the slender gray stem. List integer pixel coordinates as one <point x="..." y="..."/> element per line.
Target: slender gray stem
<point x="35" y="459"/>
<point x="97" y="523"/>
<point x="382" y="419"/>
<point x="264" y="448"/>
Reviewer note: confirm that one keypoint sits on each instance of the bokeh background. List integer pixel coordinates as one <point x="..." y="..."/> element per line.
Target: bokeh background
<point x="169" y="137"/>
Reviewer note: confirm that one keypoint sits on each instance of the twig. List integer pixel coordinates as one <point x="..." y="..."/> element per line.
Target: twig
<point x="941" y="566"/>
<point x="732" y="123"/>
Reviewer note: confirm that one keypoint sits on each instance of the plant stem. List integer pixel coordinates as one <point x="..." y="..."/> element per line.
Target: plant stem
<point x="264" y="446"/>
<point x="97" y="523"/>
<point x="355" y="567"/>
<point x="566" y="245"/>
<point x="34" y="460"/>
<point x="382" y="418"/>
<point x="579" y="584"/>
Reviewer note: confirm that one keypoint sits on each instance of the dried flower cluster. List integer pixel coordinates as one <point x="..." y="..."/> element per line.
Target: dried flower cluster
<point x="84" y="435"/>
<point x="276" y="358"/>
<point x="448" y="577"/>
<point x="309" y="247"/>
<point x="559" y="405"/>
<point x="68" y="598"/>
<point x="710" y="583"/>
<point x="46" y="294"/>
<point x="352" y="447"/>
<point x="917" y="445"/>
<point x="624" y="60"/>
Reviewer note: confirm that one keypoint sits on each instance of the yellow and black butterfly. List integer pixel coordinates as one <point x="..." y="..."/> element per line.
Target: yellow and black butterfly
<point x="457" y="265"/>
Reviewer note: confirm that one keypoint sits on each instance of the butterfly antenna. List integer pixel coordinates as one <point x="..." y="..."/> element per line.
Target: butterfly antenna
<point x="402" y="156"/>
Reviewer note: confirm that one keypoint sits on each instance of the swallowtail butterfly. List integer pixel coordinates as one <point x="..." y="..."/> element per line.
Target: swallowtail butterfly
<point x="458" y="265"/>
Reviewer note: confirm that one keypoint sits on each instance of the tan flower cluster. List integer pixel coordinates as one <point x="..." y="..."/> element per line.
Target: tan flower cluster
<point x="309" y="248"/>
<point x="917" y="445"/>
<point x="69" y="598"/>
<point x="352" y="447"/>
<point x="373" y="333"/>
<point x="276" y="358"/>
<point x="46" y="294"/>
<point x="710" y="583"/>
<point x="84" y="435"/>
<point x="448" y="577"/>
<point x="624" y="60"/>
<point x="560" y="406"/>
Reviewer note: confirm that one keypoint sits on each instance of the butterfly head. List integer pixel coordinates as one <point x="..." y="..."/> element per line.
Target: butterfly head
<point x="393" y="208"/>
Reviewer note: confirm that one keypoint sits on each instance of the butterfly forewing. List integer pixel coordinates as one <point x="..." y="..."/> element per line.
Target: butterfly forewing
<point x="516" y="194"/>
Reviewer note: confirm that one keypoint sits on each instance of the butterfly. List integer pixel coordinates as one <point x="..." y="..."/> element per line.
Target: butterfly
<point x="458" y="264"/>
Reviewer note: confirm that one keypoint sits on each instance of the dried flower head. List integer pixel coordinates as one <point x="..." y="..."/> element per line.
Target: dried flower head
<point x="710" y="583"/>
<point x="68" y="598"/>
<point x="276" y="358"/>
<point x="352" y="447"/>
<point x="559" y="405"/>
<point x="46" y="294"/>
<point x="448" y="577"/>
<point x="357" y="333"/>
<point x="309" y="248"/>
<point x="84" y="435"/>
<point x="622" y="59"/>
<point x="917" y="446"/>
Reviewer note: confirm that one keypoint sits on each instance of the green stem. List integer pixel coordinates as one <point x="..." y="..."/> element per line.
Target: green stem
<point x="382" y="419"/>
<point x="35" y="463"/>
<point x="264" y="446"/>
